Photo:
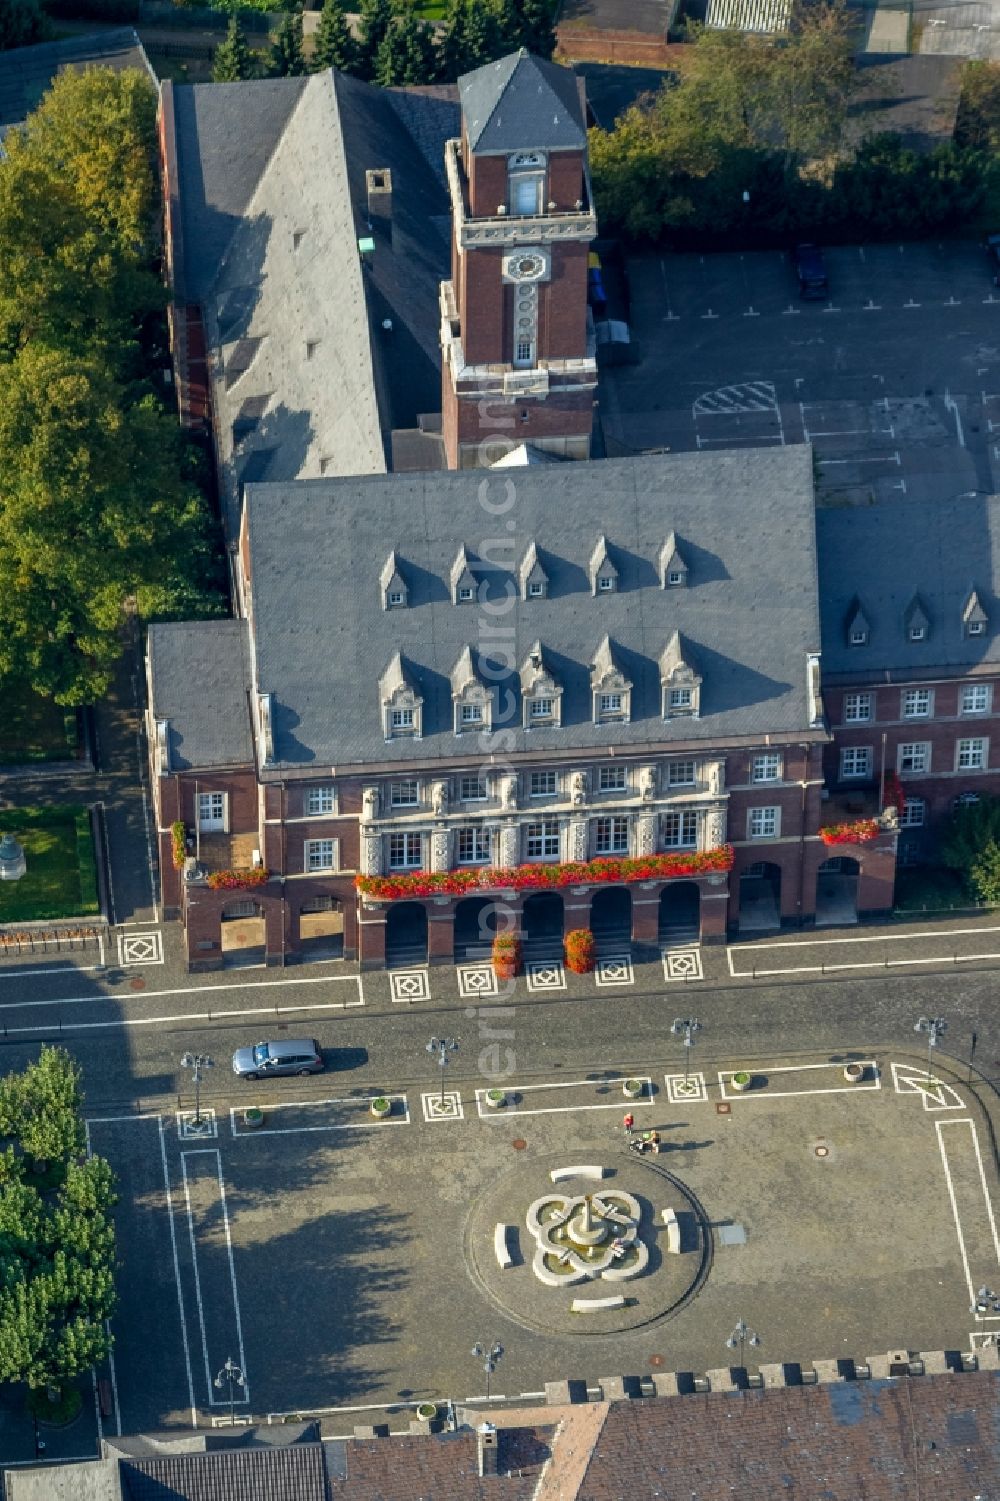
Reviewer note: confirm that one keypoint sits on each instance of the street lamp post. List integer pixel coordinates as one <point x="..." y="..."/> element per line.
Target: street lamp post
<point x="442" y="1046"/>
<point x="197" y="1063"/>
<point x="489" y="1355"/>
<point x="935" y="1027"/>
<point x="232" y="1375"/>
<point x="686" y="1027"/>
<point x="742" y="1336"/>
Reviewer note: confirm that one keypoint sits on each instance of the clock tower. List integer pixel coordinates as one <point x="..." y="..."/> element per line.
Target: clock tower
<point x="518" y="360"/>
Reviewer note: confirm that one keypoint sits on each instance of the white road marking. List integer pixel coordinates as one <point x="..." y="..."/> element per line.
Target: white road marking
<point x="111" y="1353"/>
<point x="486" y="1112"/>
<point x="878" y="458"/>
<point x="951" y="405"/>
<point x="372" y="1123"/>
<point x="153" y="995"/>
<point x="213" y="1152"/>
<point x="785" y="1094"/>
<point x="177" y="1275"/>
<point x="954" y="1204"/>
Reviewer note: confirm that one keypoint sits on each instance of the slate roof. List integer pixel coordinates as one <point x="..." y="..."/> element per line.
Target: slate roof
<point x="880" y="557"/>
<point x="199" y="673"/>
<point x="26" y="72"/>
<point x="748" y="615"/>
<point x="522" y="103"/>
<point x="292" y="1473"/>
<point x="307" y="379"/>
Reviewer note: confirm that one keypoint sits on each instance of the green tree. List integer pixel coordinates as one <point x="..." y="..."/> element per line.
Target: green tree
<point x="41" y="1107"/>
<point x="376" y="17"/>
<point x="984" y="874"/>
<point x="95" y="511"/>
<point x="978" y="122"/>
<point x="407" y="54"/>
<point x="22" y="22"/>
<point x="233" y="60"/>
<point x="334" y="45"/>
<point x="473" y="35"/>
<point x="970" y="843"/>
<point x="287" y="56"/>
<point x="535" y="30"/>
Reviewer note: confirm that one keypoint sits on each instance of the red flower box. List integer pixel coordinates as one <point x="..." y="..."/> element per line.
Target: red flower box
<point x="861" y="832"/>
<point x="507" y="956"/>
<point x="606" y="870"/>
<point x="238" y="880"/>
<point x="580" y="950"/>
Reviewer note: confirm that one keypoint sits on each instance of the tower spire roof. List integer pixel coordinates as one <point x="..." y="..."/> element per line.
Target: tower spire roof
<point x="522" y="103"/>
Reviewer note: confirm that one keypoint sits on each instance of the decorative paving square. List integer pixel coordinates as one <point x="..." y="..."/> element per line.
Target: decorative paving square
<point x="189" y="1129"/>
<point x="616" y="971"/>
<point x="140" y="948"/>
<point x="549" y="976"/>
<point x="682" y="964"/>
<point x="681" y="1091"/>
<point x="437" y="1109"/>
<point x="475" y="980"/>
<point x="407" y="985"/>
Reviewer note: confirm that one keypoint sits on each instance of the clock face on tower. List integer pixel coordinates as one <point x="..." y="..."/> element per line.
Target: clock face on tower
<point x="525" y="265"/>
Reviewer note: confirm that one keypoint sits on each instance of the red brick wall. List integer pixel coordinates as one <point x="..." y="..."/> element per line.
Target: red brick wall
<point x="560" y="415"/>
<point x="562" y="306"/>
<point x="487" y="184"/>
<point x="482" y="309"/>
<point x="565" y="184"/>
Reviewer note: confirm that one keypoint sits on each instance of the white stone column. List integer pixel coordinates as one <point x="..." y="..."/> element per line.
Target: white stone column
<point x="576" y="840"/>
<point x="646" y="826"/>
<point x="371" y="854"/>
<point x="440" y="851"/>
<point x="713" y="827"/>
<point x="509" y="845"/>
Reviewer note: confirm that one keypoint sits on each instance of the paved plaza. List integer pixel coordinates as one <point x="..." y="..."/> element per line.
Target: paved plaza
<point x="352" y="1264"/>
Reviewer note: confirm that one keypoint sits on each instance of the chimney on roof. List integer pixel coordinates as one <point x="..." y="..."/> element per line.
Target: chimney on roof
<point x="486" y="1443"/>
<point x="378" y="181"/>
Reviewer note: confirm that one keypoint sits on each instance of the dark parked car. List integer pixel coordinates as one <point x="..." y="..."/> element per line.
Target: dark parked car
<point x="811" y="271"/>
<point x="295" y="1055"/>
<point x="993" y="251"/>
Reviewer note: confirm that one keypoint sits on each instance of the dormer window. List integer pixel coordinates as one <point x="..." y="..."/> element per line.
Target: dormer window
<point x="680" y="682"/>
<point x="603" y="573"/>
<point x="463" y="579"/>
<point x="611" y="689"/>
<point x="471" y="696"/>
<point x="859" y="636"/>
<point x="974" y="617"/>
<point x="401" y="701"/>
<point x="673" y="568"/>
<point x="858" y="629"/>
<point x="532" y="576"/>
<point x="916" y="620"/>
<point x="541" y="694"/>
<point x="394" y="588"/>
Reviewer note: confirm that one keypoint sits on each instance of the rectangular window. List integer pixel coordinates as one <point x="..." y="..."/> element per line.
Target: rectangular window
<point x="541" y="840"/>
<point x="856" y="761"/>
<point x="763" y="823"/>
<point x="319" y="800"/>
<point x="975" y="699"/>
<point x="526" y="194"/>
<point x="404" y="851"/>
<point x="609" y="703"/>
<point x="680" y="699"/>
<point x="917" y="632"/>
<point x="321" y="854"/>
<point x="473" y="789"/>
<point x="912" y="816"/>
<point x="680" y="830"/>
<point x="404" y="794"/>
<point x="466" y="592"/>
<point x="524" y="353"/>
<point x="975" y="628"/>
<point x="858" y="636"/>
<point x="611" y="836"/>
<point x="611" y="779"/>
<point x="766" y="767"/>
<point x="402" y="719"/>
<point x="542" y="784"/>
<point x="857" y="708"/>
<point x="541" y="708"/>
<point x="971" y="755"/>
<point x="605" y="583"/>
<point x="536" y="590"/>
<point x="680" y="773"/>
<point x="914" y="758"/>
<point x="473" y="846"/>
<point x="395" y="596"/>
<point x="916" y="703"/>
<point x="212" y="812"/>
<point x="472" y="714"/>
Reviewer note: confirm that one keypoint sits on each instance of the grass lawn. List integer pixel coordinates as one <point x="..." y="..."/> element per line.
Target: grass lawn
<point x="930" y="888"/>
<point x="61" y="880"/>
<point x="35" y="729"/>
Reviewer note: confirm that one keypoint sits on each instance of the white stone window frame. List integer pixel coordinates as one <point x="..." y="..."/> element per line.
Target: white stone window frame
<point x="615" y="838"/>
<point x="674" y="779"/>
<point x="395" y="788"/>
<point x="403" y="703"/>
<point x="605" y="782"/>
<point x="685" y="822"/>
<point x="861" y="704"/>
<point x="605" y="714"/>
<point x="764" y="822"/>
<point x="473" y="697"/>
<point x="214" y="822"/>
<point x="918" y="752"/>
<point x="552" y="784"/>
<point x="480" y="836"/>
<point x="482" y="787"/>
<point x="682" y="680"/>
<point x="972" y="753"/>
<point x="544" y="690"/>
<point x="911" y="697"/>
<point x="320" y="855"/>
<point x="548" y="837"/>
<point x="985" y="690"/>
<point x="526" y="169"/>
<point x="856" y="762"/>
<point x="320" y="801"/>
<point x="857" y="636"/>
<point x="407" y="841"/>
<point x="766" y="766"/>
<point x="914" y="813"/>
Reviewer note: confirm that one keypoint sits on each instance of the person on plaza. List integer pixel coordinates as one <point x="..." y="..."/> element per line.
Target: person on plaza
<point x="629" y="1123"/>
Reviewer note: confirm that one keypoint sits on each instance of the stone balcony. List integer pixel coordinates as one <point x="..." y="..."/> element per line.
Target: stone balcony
<point x="228" y="851"/>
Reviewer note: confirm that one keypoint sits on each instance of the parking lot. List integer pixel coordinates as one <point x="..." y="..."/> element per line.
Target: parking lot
<point x="895" y="379"/>
<point x="350" y="1265"/>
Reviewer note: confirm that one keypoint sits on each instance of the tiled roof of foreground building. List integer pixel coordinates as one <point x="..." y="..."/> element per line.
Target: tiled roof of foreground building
<point x="742" y="612"/>
<point x="903" y="1438"/>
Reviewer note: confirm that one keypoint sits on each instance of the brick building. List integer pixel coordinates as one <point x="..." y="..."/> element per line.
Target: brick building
<point x="911" y="657"/>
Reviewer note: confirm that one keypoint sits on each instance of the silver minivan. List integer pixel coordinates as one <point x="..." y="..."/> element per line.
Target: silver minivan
<point x="292" y="1055"/>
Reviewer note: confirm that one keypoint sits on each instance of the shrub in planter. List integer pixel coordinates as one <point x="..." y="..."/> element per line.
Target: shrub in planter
<point x="380" y="1107"/>
<point x="495" y="1098"/>
<point x="854" y="1072"/>
<point x="580" y="950"/>
<point x="507" y="956"/>
<point x="741" y="1080"/>
<point x="633" y="1088"/>
<point x="253" y="1116"/>
<point x="427" y="1410"/>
